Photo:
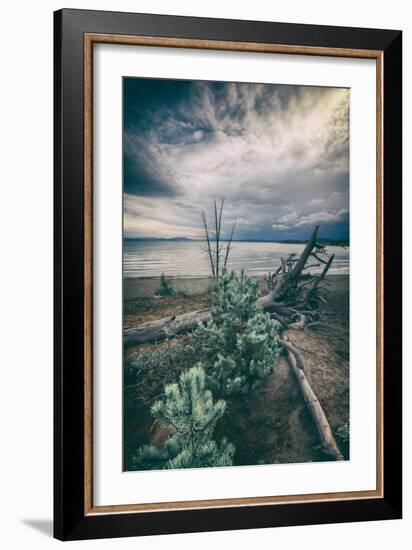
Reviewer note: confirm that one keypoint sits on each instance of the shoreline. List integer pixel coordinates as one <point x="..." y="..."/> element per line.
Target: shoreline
<point x="204" y="277"/>
<point x="144" y="287"/>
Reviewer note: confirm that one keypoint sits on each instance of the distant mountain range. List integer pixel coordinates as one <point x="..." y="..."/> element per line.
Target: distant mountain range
<point x="330" y="242"/>
<point x="159" y="239"/>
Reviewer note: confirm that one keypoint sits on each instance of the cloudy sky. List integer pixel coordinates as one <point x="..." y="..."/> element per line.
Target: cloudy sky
<point x="278" y="154"/>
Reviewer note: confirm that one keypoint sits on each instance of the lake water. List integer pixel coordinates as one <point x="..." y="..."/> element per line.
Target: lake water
<point x="189" y="259"/>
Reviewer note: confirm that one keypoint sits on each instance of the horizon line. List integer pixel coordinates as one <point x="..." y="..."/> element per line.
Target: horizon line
<point x="129" y="238"/>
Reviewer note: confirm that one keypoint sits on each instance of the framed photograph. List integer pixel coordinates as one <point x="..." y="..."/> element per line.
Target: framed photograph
<point x="227" y="274"/>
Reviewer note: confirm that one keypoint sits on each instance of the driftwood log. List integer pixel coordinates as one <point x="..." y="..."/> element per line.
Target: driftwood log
<point x="286" y="280"/>
<point x="327" y="439"/>
<point x="156" y="331"/>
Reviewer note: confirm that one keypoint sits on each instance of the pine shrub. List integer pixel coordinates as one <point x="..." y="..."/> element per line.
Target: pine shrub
<point x="343" y="432"/>
<point x="238" y="344"/>
<point x="166" y="287"/>
<point x="190" y="416"/>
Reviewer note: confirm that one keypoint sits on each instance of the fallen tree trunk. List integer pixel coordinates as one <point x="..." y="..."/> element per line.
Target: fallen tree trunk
<point x="328" y="442"/>
<point x="156" y="331"/>
<point x="287" y="280"/>
<point x="318" y="280"/>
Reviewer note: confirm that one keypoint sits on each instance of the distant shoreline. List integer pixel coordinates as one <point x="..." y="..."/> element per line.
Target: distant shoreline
<point x="326" y="242"/>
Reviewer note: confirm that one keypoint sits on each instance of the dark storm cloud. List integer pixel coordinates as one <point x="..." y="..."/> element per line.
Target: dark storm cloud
<point x="279" y="154"/>
<point x="139" y="181"/>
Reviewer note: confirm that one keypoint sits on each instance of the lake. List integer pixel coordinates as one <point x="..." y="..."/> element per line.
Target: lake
<point x="188" y="259"/>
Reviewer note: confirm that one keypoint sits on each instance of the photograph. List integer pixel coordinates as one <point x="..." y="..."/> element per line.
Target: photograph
<point x="236" y="274"/>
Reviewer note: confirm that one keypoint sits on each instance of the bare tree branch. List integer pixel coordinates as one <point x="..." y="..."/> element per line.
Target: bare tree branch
<point x="229" y="244"/>
<point x="209" y="248"/>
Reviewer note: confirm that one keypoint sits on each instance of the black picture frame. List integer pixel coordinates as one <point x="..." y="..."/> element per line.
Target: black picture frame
<point x="70" y="520"/>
